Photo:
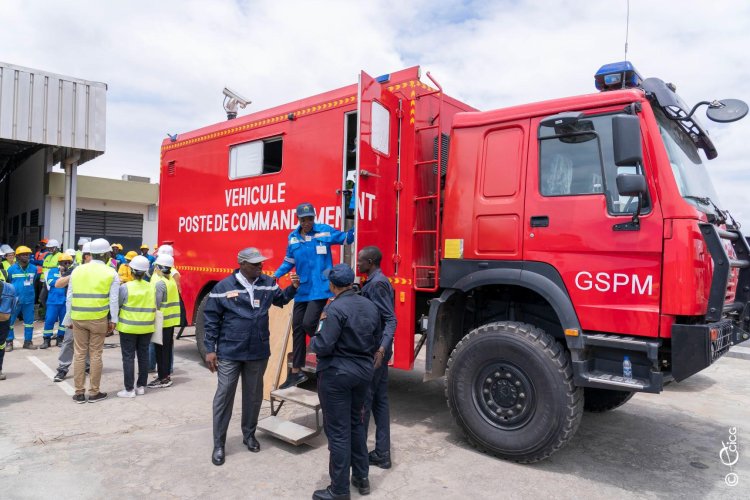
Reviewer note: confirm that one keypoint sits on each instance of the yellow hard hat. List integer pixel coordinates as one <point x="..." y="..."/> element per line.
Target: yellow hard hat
<point x="131" y="254"/>
<point x="64" y="257"/>
<point x="117" y="245"/>
<point x="22" y="249"/>
<point x="144" y="246"/>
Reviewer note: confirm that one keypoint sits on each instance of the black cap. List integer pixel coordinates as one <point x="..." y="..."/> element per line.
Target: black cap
<point x="340" y="275"/>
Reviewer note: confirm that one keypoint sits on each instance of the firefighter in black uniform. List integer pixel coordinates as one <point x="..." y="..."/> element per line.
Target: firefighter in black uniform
<point x="378" y="289"/>
<point x="345" y="343"/>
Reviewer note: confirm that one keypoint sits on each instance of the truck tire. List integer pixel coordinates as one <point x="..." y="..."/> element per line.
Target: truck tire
<point x="510" y="388"/>
<point x="601" y="400"/>
<point x="200" y="332"/>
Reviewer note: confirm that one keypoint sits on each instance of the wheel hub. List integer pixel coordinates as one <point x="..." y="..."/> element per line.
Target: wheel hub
<point x="504" y="394"/>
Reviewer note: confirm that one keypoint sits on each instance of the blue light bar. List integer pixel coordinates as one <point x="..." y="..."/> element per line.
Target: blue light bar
<point x="616" y="76"/>
<point x="383" y="78"/>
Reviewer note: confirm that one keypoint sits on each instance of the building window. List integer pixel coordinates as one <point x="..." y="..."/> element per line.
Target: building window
<point x="34" y="218"/>
<point x="251" y="159"/>
<point x="23" y="219"/>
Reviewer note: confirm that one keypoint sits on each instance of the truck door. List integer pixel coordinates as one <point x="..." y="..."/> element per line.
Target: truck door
<point x="377" y="170"/>
<point x="572" y="207"/>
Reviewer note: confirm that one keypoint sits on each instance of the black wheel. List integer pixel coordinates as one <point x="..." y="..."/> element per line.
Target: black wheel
<point x="510" y="388"/>
<point x="200" y="333"/>
<point x="601" y="400"/>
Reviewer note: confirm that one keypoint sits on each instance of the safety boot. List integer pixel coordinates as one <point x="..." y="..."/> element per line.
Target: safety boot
<point x="27" y="344"/>
<point x="45" y="343"/>
<point x="8" y="345"/>
<point x="58" y="341"/>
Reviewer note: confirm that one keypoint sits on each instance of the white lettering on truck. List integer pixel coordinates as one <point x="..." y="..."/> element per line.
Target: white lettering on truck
<point x="615" y="282"/>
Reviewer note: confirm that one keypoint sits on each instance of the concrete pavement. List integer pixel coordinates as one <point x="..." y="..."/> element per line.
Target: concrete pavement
<point x="159" y="445"/>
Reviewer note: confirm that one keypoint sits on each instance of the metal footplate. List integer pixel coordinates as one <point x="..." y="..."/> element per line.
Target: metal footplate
<point x="286" y="430"/>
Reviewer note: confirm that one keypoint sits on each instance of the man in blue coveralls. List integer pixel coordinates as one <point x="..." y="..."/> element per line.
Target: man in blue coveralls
<point x="309" y="252"/>
<point x="22" y="276"/>
<point x="55" y="303"/>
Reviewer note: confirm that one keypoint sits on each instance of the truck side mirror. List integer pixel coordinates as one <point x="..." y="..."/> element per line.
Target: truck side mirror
<point x="631" y="184"/>
<point x="626" y="140"/>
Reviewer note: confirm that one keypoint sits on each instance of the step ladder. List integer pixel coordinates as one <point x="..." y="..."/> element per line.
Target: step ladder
<point x="282" y="428"/>
<point x="428" y="172"/>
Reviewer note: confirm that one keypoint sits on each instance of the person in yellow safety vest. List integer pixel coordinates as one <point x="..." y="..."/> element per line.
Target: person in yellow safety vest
<point x="136" y="325"/>
<point x="168" y="301"/>
<point x="9" y="256"/>
<point x="50" y="260"/>
<point x="125" y="272"/>
<point x="79" y="253"/>
<point x="93" y="293"/>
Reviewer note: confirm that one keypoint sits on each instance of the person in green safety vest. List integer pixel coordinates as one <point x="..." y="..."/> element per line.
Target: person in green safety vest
<point x="168" y="302"/>
<point x="92" y="311"/>
<point x="78" y="259"/>
<point x="8" y="255"/>
<point x="136" y="325"/>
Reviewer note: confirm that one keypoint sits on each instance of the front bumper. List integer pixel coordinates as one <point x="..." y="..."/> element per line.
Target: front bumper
<point x="695" y="347"/>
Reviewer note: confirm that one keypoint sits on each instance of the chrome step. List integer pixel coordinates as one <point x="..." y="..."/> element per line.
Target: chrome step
<point x="287" y="431"/>
<point x="296" y="395"/>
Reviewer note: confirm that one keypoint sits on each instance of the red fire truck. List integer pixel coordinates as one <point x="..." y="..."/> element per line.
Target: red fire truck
<point x="549" y="257"/>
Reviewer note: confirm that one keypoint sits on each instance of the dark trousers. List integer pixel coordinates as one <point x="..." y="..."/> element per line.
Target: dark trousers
<point x="377" y="402"/>
<point x="132" y="345"/>
<point x="252" y="396"/>
<point x="305" y="318"/>
<point x="4" y="328"/>
<point x="342" y="398"/>
<point x="164" y="352"/>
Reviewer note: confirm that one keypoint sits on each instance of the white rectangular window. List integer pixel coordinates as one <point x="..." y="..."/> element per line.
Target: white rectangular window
<point x="255" y="158"/>
<point x="381" y="128"/>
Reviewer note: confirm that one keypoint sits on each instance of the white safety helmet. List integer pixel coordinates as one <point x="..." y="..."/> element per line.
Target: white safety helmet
<point x="164" y="260"/>
<point x="6" y="249"/>
<point x="140" y="263"/>
<point x="165" y="250"/>
<point x="83" y="240"/>
<point x="86" y="248"/>
<point x="71" y="252"/>
<point x="53" y="244"/>
<point x="100" y="246"/>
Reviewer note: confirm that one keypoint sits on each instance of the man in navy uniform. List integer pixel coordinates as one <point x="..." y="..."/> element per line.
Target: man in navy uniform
<point x="378" y="289"/>
<point x="345" y="344"/>
<point x="237" y="343"/>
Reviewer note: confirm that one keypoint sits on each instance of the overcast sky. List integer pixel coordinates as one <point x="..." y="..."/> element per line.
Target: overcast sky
<point x="166" y="62"/>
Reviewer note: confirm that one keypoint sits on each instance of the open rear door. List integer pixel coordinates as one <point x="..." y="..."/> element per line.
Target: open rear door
<point x="378" y="153"/>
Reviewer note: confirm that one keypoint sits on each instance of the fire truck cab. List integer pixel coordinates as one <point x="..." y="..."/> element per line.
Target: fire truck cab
<point x="549" y="257"/>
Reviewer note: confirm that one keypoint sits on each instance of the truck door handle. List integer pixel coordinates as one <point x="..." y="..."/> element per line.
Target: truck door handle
<point x="539" y="221"/>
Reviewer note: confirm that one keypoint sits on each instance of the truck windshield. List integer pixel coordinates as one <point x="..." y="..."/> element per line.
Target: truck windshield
<point x="689" y="171"/>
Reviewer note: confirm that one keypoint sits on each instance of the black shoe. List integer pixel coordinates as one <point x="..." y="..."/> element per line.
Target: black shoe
<point x="27" y="344"/>
<point x="217" y="457"/>
<point x="100" y="396"/>
<point x="8" y="345"/>
<point x="362" y="484"/>
<point x="294" y="379"/>
<point x="327" y="494"/>
<point x="60" y="376"/>
<point x="252" y="444"/>
<point x="58" y="341"/>
<point x="380" y="460"/>
<point x="79" y="398"/>
<point x="45" y="343"/>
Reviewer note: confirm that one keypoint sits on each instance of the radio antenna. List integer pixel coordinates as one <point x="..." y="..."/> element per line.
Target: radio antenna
<point x="627" y="27"/>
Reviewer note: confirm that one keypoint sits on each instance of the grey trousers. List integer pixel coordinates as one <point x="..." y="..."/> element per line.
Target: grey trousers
<point x="65" y="359"/>
<point x="252" y="396"/>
